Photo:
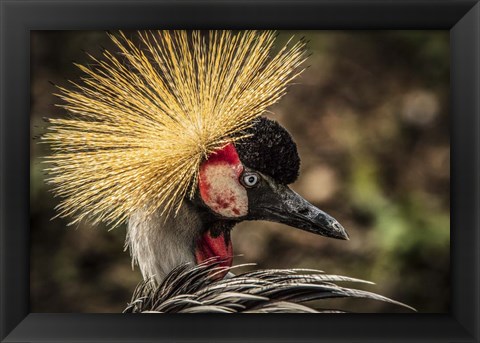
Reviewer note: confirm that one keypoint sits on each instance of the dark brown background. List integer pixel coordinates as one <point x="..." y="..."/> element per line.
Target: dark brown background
<point x="370" y="118"/>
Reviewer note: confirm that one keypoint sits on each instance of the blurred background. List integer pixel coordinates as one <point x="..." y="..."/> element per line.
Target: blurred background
<point x="370" y="119"/>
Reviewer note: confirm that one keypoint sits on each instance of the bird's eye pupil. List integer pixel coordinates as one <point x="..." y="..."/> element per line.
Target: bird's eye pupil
<point x="250" y="180"/>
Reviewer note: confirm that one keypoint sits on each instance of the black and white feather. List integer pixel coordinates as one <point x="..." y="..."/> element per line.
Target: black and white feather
<point x="190" y="289"/>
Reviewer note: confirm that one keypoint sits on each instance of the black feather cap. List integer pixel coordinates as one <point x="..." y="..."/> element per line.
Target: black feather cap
<point x="270" y="150"/>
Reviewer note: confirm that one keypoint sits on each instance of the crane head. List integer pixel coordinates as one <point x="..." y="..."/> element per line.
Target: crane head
<point x="167" y="136"/>
<point x="248" y="180"/>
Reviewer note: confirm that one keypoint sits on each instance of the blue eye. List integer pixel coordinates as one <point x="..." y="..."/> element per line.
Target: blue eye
<point x="250" y="179"/>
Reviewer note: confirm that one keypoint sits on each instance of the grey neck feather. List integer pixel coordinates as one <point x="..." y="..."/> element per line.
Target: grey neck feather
<point x="158" y="244"/>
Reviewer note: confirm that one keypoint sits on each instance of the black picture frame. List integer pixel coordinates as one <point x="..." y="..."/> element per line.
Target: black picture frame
<point x="19" y="17"/>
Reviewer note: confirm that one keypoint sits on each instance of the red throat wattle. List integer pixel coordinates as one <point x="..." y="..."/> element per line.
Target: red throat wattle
<point x="222" y="193"/>
<point x="219" y="246"/>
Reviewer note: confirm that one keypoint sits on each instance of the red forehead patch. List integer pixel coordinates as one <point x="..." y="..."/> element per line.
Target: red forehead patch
<point x="227" y="154"/>
<point x="219" y="183"/>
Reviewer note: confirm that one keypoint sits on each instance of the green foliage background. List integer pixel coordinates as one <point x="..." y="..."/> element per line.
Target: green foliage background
<point x="370" y="118"/>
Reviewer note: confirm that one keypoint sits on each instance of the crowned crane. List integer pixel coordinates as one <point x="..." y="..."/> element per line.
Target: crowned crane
<point x="168" y="137"/>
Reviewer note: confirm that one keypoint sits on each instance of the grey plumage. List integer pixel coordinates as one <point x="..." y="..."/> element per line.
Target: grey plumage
<point x="191" y="289"/>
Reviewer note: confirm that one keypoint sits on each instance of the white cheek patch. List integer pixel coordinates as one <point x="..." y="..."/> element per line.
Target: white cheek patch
<point x="221" y="190"/>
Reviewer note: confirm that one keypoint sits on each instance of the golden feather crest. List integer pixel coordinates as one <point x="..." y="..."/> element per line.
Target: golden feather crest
<point x="142" y="121"/>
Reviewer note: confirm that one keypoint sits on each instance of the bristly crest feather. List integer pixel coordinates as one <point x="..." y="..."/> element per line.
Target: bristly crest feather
<point x="142" y="121"/>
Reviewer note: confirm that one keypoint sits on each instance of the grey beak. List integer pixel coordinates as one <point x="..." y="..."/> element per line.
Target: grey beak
<point x="278" y="203"/>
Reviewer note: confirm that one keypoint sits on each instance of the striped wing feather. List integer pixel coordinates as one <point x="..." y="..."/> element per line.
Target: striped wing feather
<point x="190" y="289"/>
